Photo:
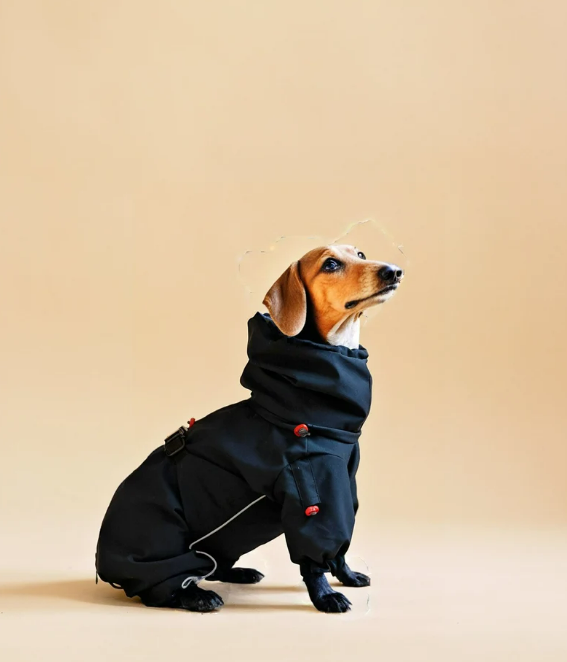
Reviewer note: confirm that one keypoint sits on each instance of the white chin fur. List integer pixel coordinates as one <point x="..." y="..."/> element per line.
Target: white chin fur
<point x="384" y="297"/>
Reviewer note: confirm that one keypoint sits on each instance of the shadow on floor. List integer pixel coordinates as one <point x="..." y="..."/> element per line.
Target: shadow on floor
<point x="24" y="596"/>
<point x="261" y="606"/>
<point x="276" y="588"/>
<point x="77" y="590"/>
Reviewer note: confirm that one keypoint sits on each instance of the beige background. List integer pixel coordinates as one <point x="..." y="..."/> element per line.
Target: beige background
<point x="144" y="147"/>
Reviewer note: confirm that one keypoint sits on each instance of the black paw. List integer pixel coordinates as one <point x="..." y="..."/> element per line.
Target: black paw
<point x="197" y="599"/>
<point x="238" y="576"/>
<point x="354" y="579"/>
<point x="332" y="603"/>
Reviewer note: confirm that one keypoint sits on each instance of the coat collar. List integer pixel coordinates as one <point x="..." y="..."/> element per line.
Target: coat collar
<point x="301" y="381"/>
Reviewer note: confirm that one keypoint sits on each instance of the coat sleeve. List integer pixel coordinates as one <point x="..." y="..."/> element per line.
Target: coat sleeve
<point x="318" y="541"/>
<point x="353" y="463"/>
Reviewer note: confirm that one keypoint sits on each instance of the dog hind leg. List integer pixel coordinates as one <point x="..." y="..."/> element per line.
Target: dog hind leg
<point x="194" y="598"/>
<point x="225" y="572"/>
<point x="191" y="598"/>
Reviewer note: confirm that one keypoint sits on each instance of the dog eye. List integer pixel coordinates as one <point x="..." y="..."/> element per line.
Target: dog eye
<point x="330" y="265"/>
<point x="361" y="255"/>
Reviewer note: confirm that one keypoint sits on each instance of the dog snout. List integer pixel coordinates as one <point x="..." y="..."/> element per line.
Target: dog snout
<point x="390" y="274"/>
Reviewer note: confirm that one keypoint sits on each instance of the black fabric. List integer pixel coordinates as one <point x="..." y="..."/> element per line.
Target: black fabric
<point x="238" y="454"/>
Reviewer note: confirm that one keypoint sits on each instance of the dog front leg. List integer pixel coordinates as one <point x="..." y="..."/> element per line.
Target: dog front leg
<point x="323" y="597"/>
<point x="349" y="577"/>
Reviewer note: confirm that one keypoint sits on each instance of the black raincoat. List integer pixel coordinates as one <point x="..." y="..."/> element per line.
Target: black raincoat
<point x="243" y="475"/>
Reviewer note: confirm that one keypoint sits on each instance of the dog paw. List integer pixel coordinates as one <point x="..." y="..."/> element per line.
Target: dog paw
<point x="332" y="603"/>
<point x="356" y="579"/>
<point x="197" y="599"/>
<point x="239" y="576"/>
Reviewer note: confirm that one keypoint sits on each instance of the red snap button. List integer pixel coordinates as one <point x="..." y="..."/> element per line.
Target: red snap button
<point x="301" y="430"/>
<point x="191" y="421"/>
<point x="312" y="510"/>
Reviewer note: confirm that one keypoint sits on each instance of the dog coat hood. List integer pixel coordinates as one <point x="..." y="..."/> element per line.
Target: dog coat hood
<point x="244" y="474"/>
<point x="304" y="381"/>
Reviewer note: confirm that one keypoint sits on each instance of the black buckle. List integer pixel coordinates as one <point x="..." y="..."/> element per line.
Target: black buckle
<point x="175" y="442"/>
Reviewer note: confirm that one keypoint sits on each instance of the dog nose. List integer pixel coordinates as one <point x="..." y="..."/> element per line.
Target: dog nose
<point x="390" y="274"/>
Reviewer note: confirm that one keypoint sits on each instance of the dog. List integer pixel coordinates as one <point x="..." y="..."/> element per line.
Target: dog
<point x="283" y="461"/>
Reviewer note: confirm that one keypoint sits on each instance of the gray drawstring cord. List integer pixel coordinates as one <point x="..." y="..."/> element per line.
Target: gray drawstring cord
<point x="194" y="579"/>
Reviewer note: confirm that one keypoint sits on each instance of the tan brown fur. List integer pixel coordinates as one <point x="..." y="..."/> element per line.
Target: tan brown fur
<point x="357" y="279"/>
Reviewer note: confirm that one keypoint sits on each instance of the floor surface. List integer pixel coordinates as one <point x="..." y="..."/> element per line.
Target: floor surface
<point x="436" y="595"/>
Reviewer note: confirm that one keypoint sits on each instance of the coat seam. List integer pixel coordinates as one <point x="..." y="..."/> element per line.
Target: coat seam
<point x="314" y="481"/>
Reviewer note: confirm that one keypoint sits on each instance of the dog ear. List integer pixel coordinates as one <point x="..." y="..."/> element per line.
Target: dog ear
<point x="286" y="301"/>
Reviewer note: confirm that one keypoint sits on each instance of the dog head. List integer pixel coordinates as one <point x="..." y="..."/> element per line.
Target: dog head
<point x="336" y="284"/>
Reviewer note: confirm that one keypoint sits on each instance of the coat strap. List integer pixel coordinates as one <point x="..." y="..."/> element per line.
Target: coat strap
<point x="346" y="436"/>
